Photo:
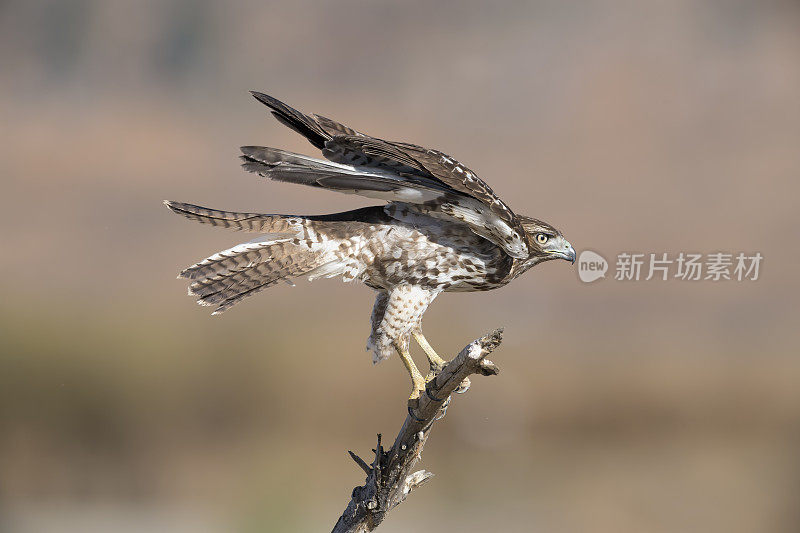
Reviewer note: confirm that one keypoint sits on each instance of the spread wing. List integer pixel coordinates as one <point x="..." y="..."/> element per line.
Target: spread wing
<point x="428" y="180"/>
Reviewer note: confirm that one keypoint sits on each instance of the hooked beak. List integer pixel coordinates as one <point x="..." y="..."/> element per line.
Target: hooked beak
<point x="567" y="252"/>
<point x="570" y="256"/>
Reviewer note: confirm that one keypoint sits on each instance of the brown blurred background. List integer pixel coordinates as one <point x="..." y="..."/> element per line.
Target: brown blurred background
<point x="622" y="407"/>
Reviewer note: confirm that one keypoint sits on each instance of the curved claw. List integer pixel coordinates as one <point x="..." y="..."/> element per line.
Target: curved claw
<point x="412" y="415"/>
<point x="431" y="396"/>
<point x="463" y="386"/>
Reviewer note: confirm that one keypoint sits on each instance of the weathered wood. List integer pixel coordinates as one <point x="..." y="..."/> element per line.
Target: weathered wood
<point x="389" y="477"/>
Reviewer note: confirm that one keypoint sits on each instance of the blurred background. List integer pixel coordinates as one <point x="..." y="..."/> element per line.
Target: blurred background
<point x="622" y="407"/>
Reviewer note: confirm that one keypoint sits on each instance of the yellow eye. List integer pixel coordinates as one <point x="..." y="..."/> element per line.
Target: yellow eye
<point x="541" y="238"/>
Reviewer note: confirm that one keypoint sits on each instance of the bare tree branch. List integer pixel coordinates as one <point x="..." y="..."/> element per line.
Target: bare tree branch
<point x="390" y="478"/>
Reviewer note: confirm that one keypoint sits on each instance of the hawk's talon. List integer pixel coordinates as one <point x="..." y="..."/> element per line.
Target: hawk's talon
<point x="432" y="375"/>
<point x="431" y="396"/>
<point x="412" y="415"/>
<point x="436" y="369"/>
<point x="443" y="410"/>
<point x="413" y="399"/>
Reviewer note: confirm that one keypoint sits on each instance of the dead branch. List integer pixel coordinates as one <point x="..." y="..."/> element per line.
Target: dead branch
<point x="389" y="477"/>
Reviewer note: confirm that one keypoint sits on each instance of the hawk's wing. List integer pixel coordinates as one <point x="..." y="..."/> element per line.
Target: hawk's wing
<point x="437" y="184"/>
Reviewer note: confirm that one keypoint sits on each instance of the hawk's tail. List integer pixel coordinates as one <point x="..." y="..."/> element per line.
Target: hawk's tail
<point x="289" y="247"/>
<point x="256" y="222"/>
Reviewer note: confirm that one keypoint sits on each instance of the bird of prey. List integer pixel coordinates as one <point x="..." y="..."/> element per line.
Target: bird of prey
<point x="442" y="230"/>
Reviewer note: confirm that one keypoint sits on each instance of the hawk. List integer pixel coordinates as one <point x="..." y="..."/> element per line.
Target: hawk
<point x="442" y="230"/>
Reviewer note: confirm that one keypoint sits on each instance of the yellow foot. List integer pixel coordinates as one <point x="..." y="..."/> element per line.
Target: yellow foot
<point x="417" y="381"/>
<point x="416" y="393"/>
<point x="436" y="362"/>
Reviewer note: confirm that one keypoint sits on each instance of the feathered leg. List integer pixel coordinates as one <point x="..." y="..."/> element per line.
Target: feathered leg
<point x="395" y="317"/>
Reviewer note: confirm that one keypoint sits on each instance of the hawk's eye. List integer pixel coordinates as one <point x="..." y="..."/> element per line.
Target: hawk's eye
<point x="541" y="238"/>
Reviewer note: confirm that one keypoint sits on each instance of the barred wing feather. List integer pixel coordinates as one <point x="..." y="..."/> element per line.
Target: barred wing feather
<point x="393" y="171"/>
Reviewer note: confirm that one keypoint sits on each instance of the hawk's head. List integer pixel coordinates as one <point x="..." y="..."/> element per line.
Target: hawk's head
<point x="545" y="242"/>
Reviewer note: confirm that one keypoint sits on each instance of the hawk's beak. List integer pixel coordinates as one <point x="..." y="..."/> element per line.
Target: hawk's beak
<point x="567" y="253"/>
<point x="570" y="255"/>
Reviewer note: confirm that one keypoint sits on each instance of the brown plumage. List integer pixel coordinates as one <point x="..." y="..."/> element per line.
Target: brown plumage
<point x="443" y="230"/>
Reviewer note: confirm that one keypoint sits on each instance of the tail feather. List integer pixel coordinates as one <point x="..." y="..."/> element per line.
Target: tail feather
<point x="233" y="300"/>
<point x="291" y="263"/>
<point x="240" y="257"/>
<point x="228" y="289"/>
<point x="227" y="277"/>
<point x="231" y="275"/>
<point x="250" y="222"/>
